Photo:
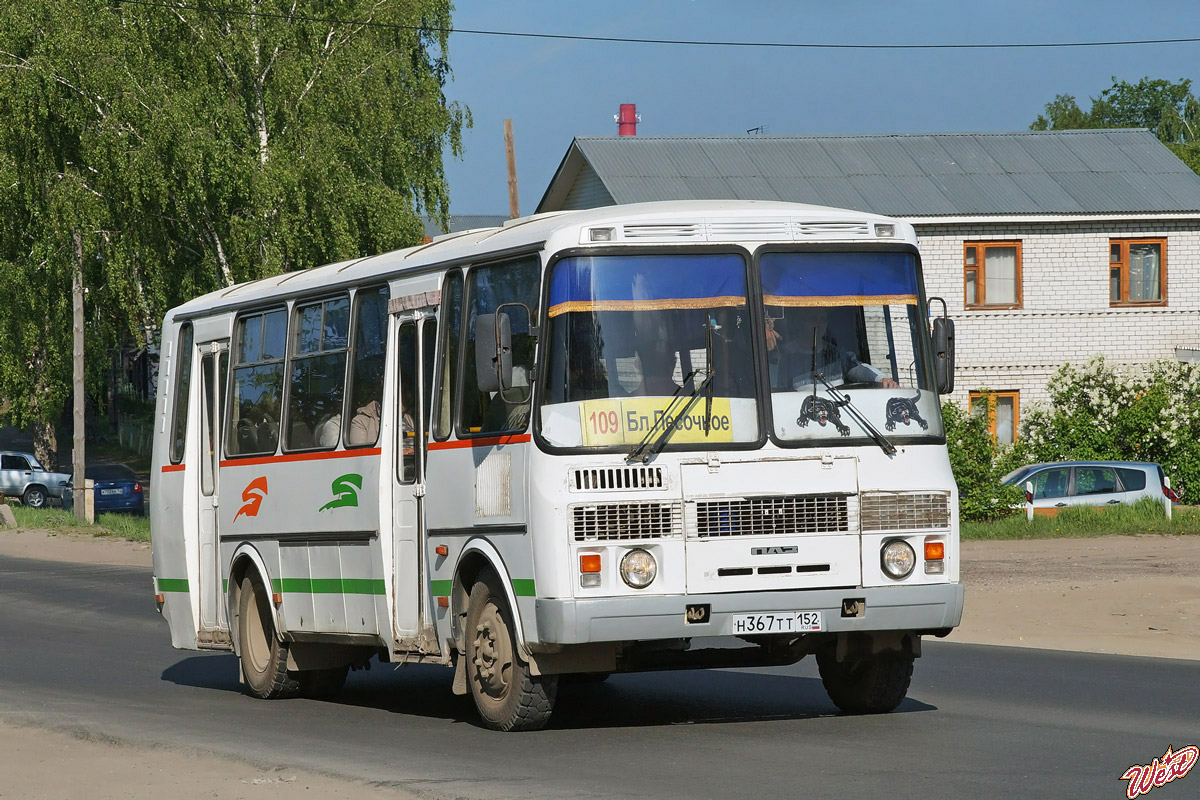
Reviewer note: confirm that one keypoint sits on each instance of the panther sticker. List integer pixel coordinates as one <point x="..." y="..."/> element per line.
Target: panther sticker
<point x="904" y="409"/>
<point x="346" y="490"/>
<point x="822" y="411"/>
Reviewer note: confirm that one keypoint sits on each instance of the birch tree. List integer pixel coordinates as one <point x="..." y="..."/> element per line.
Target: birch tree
<point x="196" y="148"/>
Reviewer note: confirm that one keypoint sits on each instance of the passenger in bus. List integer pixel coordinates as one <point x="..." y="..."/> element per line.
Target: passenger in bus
<point x="364" y="425"/>
<point x="247" y="435"/>
<point x="328" y="431"/>
<point x="267" y="430"/>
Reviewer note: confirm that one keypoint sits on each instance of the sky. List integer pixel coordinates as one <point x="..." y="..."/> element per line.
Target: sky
<point x="555" y="90"/>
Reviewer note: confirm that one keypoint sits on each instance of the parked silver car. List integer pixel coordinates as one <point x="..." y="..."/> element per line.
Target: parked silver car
<point x="1092" y="483"/>
<point x="21" y="475"/>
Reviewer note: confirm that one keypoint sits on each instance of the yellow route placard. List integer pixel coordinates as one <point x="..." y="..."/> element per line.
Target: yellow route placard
<point x="628" y="420"/>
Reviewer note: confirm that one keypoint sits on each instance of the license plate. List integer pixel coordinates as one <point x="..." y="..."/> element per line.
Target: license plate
<point x="111" y="491"/>
<point x="778" y="622"/>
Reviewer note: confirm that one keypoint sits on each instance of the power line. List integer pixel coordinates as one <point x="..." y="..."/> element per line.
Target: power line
<point x="634" y="40"/>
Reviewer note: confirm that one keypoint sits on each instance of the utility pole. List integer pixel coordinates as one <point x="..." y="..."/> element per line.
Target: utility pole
<point x="81" y="495"/>
<point x="514" y="208"/>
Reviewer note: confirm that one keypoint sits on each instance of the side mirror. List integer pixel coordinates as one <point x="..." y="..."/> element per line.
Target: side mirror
<point x="943" y="350"/>
<point x="493" y="352"/>
<point x="1029" y="501"/>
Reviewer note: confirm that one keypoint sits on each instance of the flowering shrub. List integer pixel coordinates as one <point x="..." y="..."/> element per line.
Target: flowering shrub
<point x="1121" y="413"/>
<point x="975" y="459"/>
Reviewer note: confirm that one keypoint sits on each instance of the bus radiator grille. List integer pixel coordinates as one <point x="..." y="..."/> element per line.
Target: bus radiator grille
<point x="608" y="478"/>
<point x="898" y="511"/>
<point x="759" y="516"/>
<point x="616" y="522"/>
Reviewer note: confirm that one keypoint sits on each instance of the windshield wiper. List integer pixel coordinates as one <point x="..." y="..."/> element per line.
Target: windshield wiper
<point x="843" y="401"/>
<point x="668" y="416"/>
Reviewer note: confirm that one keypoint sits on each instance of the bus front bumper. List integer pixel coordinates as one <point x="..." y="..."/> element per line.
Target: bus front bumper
<point x="919" y="608"/>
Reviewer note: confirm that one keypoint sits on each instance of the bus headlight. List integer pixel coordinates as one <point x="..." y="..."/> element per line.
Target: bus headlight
<point x="898" y="559"/>
<point x="638" y="569"/>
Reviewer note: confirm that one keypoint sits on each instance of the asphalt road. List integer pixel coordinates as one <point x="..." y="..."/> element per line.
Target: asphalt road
<point x="82" y="648"/>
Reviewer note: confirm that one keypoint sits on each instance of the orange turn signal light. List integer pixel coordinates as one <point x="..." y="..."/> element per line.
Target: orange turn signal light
<point x="443" y="602"/>
<point x="935" y="551"/>
<point x="158" y="598"/>
<point x="277" y="598"/>
<point x="442" y="550"/>
<point x="589" y="562"/>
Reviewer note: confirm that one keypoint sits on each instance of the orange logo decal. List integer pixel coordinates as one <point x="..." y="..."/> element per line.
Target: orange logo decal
<point x="1172" y="765"/>
<point x="253" y="494"/>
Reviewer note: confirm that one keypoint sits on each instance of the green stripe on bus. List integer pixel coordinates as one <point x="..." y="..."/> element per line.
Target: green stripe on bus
<point x="522" y="587"/>
<point x="327" y="586"/>
<point x="172" y="584"/>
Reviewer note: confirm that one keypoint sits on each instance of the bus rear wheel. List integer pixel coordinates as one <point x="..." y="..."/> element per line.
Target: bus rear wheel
<point x="509" y="697"/>
<point x="872" y="685"/>
<point x="264" y="658"/>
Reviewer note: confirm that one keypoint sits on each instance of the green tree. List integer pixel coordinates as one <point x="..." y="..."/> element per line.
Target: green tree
<point x="976" y="461"/>
<point x="1169" y="110"/>
<point x="198" y="148"/>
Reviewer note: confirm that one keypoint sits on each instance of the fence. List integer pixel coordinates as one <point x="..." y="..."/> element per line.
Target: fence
<point x="135" y="434"/>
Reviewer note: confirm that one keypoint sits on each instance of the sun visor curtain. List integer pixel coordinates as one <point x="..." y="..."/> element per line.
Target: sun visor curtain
<point x="647" y="283"/>
<point x="838" y="279"/>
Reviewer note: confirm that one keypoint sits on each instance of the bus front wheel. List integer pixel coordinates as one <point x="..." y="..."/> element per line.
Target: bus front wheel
<point x="264" y="658"/>
<point x="509" y="697"/>
<point x="872" y="685"/>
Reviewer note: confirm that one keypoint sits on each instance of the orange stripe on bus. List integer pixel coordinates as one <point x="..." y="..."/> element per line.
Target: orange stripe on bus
<point x="174" y="467"/>
<point x="490" y="441"/>
<point x="288" y="457"/>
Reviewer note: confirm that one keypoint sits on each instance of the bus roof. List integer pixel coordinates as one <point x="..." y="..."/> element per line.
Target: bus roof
<point x="688" y="221"/>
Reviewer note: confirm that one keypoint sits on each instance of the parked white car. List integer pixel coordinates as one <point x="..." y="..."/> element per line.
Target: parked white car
<point x="1092" y="483"/>
<point x="23" y="476"/>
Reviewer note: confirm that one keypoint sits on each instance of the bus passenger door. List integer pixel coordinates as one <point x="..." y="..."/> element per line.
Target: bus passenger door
<point x="214" y="367"/>
<point x="413" y="617"/>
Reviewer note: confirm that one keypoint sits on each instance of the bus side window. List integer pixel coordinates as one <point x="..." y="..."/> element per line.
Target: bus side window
<point x="491" y="287"/>
<point x="451" y="316"/>
<point x="318" y="374"/>
<point x="366" y="377"/>
<point x="259" y="345"/>
<point x="183" y="381"/>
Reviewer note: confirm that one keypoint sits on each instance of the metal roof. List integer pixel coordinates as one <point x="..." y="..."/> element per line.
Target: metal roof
<point x="1125" y="171"/>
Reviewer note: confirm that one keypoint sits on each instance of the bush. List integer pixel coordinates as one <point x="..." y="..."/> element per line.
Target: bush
<point x="1119" y="413"/>
<point x="978" y="467"/>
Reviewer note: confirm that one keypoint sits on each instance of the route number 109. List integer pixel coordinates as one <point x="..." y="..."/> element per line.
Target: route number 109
<point x="603" y="422"/>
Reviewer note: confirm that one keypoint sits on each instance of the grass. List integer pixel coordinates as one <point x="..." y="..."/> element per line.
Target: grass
<point x="1145" y="516"/>
<point x="120" y="526"/>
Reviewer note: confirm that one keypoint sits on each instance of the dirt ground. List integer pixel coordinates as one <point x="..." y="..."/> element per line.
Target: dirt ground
<point x="1136" y="595"/>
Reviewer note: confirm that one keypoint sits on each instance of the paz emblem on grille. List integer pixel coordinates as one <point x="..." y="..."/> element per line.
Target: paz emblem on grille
<point x="773" y="551"/>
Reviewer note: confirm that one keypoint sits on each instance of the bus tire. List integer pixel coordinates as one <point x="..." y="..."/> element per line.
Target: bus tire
<point x="264" y="658"/>
<point x="874" y="685"/>
<point x="509" y="697"/>
<point x="323" y="684"/>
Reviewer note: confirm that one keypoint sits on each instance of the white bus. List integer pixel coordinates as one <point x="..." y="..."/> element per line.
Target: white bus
<point x="656" y="436"/>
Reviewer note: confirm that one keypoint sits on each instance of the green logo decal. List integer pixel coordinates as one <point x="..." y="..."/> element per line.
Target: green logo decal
<point x="346" y="488"/>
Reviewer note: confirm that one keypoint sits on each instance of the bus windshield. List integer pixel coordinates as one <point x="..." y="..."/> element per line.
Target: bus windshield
<point x="632" y="337"/>
<point x="846" y="346"/>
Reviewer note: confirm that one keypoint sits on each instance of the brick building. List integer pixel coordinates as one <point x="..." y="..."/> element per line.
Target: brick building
<point x="1048" y="247"/>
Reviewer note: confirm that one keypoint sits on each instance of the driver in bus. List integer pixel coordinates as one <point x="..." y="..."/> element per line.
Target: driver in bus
<point x="837" y="365"/>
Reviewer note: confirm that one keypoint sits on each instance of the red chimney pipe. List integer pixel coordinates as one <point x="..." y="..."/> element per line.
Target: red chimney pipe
<point x="627" y="120"/>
